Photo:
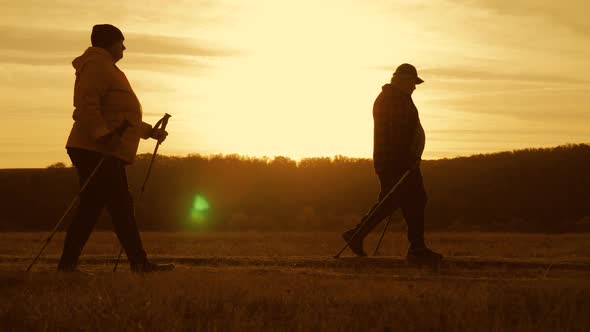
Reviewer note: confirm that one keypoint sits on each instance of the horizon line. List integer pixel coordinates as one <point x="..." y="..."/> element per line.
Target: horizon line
<point x="332" y="158"/>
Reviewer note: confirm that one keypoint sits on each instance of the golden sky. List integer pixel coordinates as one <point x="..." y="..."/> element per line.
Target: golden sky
<point x="298" y="78"/>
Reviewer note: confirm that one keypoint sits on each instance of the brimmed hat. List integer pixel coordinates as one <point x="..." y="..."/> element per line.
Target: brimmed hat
<point x="103" y="35"/>
<point x="406" y="69"/>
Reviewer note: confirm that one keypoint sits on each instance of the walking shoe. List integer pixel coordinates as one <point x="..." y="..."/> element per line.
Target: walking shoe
<point x="148" y="266"/>
<point x="356" y="245"/>
<point x="423" y="255"/>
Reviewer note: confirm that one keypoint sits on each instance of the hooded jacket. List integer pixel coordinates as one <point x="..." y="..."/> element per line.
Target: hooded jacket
<point x="103" y="99"/>
<point x="399" y="138"/>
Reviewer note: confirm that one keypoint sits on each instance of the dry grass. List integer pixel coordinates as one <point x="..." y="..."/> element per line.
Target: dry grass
<point x="288" y="282"/>
<point x="509" y="245"/>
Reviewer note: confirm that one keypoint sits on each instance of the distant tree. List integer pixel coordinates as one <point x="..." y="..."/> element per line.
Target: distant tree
<point x="544" y="190"/>
<point x="57" y="165"/>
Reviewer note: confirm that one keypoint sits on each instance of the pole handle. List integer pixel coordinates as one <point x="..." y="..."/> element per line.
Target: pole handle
<point x="163" y="122"/>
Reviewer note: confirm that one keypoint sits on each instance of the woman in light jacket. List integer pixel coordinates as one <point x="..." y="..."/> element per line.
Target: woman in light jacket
<point x="107" y="126"/>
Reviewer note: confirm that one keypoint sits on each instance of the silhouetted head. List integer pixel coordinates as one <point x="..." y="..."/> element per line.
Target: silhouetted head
<point x="110" y="38"/>
<point x="406" y="78"/>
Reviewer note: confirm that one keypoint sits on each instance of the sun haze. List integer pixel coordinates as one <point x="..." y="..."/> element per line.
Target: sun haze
<point x="299" y="78"/>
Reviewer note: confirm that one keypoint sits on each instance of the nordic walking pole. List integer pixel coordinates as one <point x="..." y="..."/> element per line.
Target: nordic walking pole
<point x="162" y="122"/>
<point x="119" y="131"/>
<point x="74" y="201"/>
<point x="382" y="235"/>
<point x="377" y="207"/>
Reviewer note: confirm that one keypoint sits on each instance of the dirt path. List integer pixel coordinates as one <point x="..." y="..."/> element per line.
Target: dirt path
<point x="451" y="267"/>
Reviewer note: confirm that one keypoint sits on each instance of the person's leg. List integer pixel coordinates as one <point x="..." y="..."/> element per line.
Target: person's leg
<point x="413" y="203"/>
<point x="374" y="216"/>
<point x="378" y="213"/>
<point x="414" y="217"/>
<point x="88" y="211"/>
<point x="120" y="206"/>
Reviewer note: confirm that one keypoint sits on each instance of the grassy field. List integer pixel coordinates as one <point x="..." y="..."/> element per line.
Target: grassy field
<point x="290" y="282"/>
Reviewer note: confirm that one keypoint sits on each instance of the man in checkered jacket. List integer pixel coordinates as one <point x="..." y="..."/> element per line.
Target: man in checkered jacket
<point x="397" y="147"/>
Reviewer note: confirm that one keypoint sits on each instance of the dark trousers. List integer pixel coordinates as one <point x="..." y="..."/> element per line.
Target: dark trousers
<point x="107" y="188"/>
<point x="410" y="196"/>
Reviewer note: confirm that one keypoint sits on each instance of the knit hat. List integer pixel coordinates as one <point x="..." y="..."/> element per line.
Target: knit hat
<point x="104" y="35"/>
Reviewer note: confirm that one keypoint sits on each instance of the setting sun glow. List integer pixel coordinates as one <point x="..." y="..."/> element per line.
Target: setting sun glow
<point x="298" y="78"/>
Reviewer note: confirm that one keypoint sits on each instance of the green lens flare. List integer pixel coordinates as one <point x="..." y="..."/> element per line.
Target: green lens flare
<point x="199" y="210"/>
<point x="200" y="204"/>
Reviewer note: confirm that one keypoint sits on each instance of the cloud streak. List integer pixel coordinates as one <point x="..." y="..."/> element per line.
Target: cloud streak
<point x="34" y="43"/>
<point x="572" y="15"/>
<point x="515" y="76"/>
<point x="473" y="74"/>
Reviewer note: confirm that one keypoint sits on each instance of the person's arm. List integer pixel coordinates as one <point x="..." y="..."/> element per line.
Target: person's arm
<point x="92" y="83"/>
<point x="382" y="156"/>
<point x="145" y="130"/>
<point x="402" y="131"/>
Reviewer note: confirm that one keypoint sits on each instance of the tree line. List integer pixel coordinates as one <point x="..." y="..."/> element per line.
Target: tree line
<point x="543" y="190"/>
